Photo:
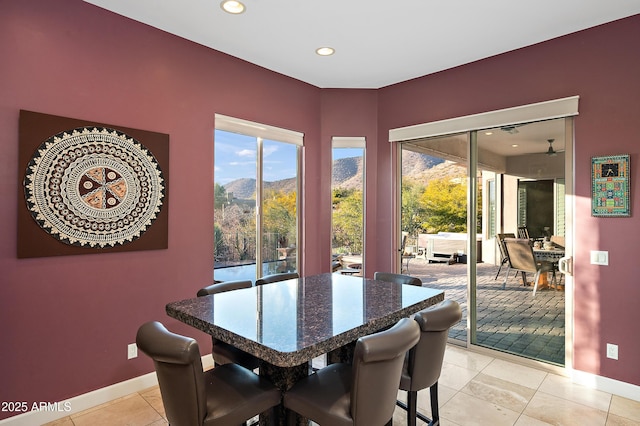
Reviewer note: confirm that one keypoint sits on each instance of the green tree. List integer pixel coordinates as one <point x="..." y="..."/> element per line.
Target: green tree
<point x="347" y="220"/>
<point x="445" y="205"/>
<point x="219" y="196"/>
<point x="413" y="209"/>
<point x="219" y="246"/>
<point x="279" y="215"/>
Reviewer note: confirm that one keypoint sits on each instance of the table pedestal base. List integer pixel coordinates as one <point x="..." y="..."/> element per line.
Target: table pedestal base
<point x="283" y="378"/>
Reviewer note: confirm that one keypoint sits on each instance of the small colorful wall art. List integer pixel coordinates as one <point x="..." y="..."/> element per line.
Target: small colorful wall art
<point x="90" y="187"/>
<point x="610" y="178"/>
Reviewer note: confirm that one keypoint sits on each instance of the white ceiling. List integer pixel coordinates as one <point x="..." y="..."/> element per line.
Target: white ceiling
<point x="378" y="43"/>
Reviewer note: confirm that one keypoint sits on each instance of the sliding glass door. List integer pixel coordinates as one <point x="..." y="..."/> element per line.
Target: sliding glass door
<point x="458" y="193"/>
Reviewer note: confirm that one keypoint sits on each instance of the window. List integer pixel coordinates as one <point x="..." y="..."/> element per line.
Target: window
<point x="256" y="187"/>
<point x="347" y="192"/>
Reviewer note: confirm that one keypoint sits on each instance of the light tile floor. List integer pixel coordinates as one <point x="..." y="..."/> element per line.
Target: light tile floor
<point x="474" y="389"/>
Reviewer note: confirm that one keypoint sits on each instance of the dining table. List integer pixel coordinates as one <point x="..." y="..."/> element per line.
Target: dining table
<point x="289" y="323"/>
<point x="551" y="255"/>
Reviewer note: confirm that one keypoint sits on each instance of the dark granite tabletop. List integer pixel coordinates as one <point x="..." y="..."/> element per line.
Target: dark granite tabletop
<point x="290" y="322"/>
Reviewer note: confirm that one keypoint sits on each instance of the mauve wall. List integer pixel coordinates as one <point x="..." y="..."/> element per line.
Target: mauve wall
<point x="602" y="66"/>
<point x="65" y="322"/>
<point x="354" y="113"/>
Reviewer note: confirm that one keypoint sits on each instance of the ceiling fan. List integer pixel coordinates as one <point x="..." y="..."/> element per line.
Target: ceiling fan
<point x="551" y="152"/>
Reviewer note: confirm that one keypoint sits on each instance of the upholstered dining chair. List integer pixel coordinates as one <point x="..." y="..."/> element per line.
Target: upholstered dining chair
<point x="423" y="363"/>
<point x="225" y="395"/>
<point x="267" y="279"/>
<point x="361" y="394"/>
<point x="224" y="353"/>
<point x="522" y="259"/>
<point x="219" y="287"/>
<point x="397" y="278"/>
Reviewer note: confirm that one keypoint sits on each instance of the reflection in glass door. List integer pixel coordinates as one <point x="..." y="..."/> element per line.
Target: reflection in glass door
<point x="518" y="182"/>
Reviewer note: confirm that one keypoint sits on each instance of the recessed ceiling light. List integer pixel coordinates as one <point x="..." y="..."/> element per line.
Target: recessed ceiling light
<point x="232" y="6"/>
<point x="515" y="145"/>
<point x="488" y="133"/>
<point x="325" y="51"/>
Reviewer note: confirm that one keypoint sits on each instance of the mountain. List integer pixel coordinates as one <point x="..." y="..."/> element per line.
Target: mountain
<point x="244" y="189"/>
<point x="347" y="174"/>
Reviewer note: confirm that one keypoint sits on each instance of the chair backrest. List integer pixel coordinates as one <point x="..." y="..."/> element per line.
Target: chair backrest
<point x="377" y="367"/>
<point x="425" y="359"/>
<point x="267" y="279"/>
<point x="403" y="244"/>
<point x="224" y="286"/>
<point x="397" y="278"/>
<point x="557" y="240"/>
<point x="179" y="370"/>
<point x="521" y="255"/>
<point x="500" y="239"/>
<point x="523" y="232"/>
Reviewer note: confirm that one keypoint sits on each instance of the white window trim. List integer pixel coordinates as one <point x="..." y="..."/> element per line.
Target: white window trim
<point x="258" y="130"/>
<point x="348" y="142"/>
<point x="547" y="110"/>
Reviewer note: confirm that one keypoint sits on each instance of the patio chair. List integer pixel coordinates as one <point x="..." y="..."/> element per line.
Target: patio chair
<point x="405" y="256"/>
<point x="522" y="259"/>
<point x="523" y="232"/>
<point x="504" y="257"/>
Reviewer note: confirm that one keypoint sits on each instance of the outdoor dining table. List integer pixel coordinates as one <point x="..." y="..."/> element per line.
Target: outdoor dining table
<point x="288" y="323"/>
<point x="551" y="255"/>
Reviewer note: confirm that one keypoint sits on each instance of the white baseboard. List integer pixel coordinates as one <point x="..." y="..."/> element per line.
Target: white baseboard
<point x="79" y="403"/>
<point x="604" y="384"/>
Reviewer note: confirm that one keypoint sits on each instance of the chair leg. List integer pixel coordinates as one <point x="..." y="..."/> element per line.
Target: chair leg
<point x="499" y="269"/>
<point x="504" y="284"/>
<point x="412" y="407"/>
<point x="435" y="411"/>
<point x="535" y="284"/>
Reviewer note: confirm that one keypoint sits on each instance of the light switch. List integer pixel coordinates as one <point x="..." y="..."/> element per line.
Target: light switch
<point x="599" y="257"/>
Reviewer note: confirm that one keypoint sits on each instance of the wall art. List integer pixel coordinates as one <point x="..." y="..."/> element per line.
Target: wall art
<point x="610" y="182"/>
<point x="90" y="187"/>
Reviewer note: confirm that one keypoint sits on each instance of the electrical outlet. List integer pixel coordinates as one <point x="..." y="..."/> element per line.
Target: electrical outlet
<point x="132" y="351"/>
<point x="612" y="351"/>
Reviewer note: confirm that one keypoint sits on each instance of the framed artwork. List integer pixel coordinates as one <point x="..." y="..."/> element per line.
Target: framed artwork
<point x="610" y="180"/>
<point x="89" y="187"/>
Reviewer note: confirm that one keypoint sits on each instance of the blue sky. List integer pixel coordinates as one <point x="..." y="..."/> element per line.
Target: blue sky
<point x="235" y="158"/>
